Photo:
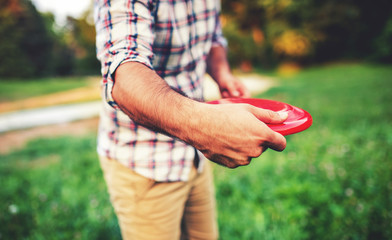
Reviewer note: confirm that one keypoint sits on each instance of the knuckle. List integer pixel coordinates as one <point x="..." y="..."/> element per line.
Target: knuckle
<point x="232" y="165"/>
<point x="256" y="152"/>
<point x="238" y="163"/>
<point x="247" y="162"/>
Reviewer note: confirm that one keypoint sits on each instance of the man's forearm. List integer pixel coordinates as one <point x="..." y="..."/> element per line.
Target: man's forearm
<point x="148" y="100"/>
<point x="217" y="65"/>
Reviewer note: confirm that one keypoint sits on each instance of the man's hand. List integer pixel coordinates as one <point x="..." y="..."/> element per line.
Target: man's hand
<point x="232" y="87"/>
<point x="233" y="134"/>
<point x="219" y="70"/>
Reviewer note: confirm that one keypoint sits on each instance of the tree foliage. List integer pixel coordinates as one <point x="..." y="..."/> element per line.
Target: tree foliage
<point x="24" y="40"/>
<point x="32" y="45"/>
<point x="270" y="31"/>
<point x="260" y="33"/>
<point x="81" y="39"/>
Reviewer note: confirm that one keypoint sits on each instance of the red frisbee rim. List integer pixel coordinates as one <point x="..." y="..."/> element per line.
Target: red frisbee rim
<point x="297" y="121"/>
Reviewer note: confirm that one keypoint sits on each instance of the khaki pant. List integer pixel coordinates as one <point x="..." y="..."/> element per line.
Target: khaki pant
<point x="158" y="211"/>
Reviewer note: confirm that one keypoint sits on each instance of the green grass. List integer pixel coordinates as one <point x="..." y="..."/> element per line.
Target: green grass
<point x="334" y="181"/>
<point x="16" y="89"/>
<point x="53" y="189"/>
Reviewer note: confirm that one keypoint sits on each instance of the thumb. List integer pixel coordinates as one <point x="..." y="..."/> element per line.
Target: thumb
<point x="268" y="116"/>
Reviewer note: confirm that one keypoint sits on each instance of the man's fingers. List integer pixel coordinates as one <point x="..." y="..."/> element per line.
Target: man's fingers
<point x="242" y="89"/>
<point x="232" y="90"/>
<point x="276" y="142"/>
<point x="225" y="94"/>
<point x="235" y="89"/>
<point x="245" y="93"/>
<point x="268" y="116"/>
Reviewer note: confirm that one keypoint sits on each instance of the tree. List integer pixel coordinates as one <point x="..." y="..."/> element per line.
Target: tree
<point x="62" y="58"/>
<point x="81" y="39"/>
<point x="25" y="45"/>
<point x="271" y="31"/>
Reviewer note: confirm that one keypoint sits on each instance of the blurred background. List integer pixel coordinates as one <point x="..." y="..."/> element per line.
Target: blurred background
<point x="58" y="38"/>
<point x="332" y="58"/>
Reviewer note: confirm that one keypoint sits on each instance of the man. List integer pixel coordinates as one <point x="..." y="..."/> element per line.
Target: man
<point x="155" y="130"/>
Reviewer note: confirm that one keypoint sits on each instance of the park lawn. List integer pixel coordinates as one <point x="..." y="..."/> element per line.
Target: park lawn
<point x="17" y="89"/>
<point x="333" y="181"/>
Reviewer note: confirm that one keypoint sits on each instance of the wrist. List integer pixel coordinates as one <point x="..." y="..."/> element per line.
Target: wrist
<point x="196" y="130"/>
<point x="223" y="75"/>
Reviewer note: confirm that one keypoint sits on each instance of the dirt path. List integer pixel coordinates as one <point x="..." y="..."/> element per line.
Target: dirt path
<point x="17" y="139"/>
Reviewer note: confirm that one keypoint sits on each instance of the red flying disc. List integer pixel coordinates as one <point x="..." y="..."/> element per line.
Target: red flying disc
<point x="298" y="119"/>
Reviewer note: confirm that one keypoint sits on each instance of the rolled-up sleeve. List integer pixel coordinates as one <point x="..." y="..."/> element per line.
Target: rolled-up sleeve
<point x="218" y="39"/>
<point x="124" y="33"/>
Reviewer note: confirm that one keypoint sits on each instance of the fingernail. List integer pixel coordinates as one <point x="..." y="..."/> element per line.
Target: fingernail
<point x="283" y="115"/>
<point x="236" y="94"/>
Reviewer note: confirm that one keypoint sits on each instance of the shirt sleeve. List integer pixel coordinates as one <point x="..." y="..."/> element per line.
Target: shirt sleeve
<point x="124" y="33"/>
<point x="218" y="39"/>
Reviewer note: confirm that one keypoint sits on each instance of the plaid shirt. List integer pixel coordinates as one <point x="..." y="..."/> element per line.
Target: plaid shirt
<point x="172" y="37"/>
